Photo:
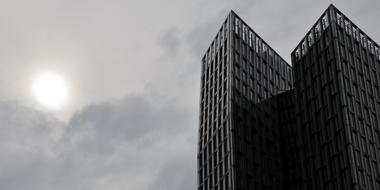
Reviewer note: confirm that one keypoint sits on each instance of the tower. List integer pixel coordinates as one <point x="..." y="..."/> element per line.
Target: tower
<point x="336" y="76"/>
<point x="240" y="73"/>
<point x="260" y="128"/>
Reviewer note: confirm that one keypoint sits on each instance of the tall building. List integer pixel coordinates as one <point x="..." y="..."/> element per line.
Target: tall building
<point x="336" y="75"/>
<point x="238" y="150"/>
<point x="261" y="129"/>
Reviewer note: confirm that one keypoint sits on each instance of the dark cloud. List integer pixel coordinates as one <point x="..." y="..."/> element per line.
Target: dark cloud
<point x="131" y="143"/>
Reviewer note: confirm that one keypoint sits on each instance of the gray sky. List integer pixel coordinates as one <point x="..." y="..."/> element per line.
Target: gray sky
<point x="132" y="69"/>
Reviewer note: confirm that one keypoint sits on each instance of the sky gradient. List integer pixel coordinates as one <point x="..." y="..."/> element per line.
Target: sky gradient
<point x="133" y="71"/>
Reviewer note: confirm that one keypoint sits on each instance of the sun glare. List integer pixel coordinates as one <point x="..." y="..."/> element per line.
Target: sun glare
<point x="50" y="90"/>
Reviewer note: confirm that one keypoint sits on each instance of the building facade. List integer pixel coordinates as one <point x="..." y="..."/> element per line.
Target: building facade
<point x="336" y="70"/>
<point x="239" y="70"/>
<point x="262" y="128"/>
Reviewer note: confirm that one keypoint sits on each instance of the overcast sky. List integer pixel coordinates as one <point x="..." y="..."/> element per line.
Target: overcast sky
<point x="133" y="70"/>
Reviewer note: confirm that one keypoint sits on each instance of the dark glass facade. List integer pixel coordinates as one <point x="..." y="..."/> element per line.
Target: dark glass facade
<point x="336" y="71"/>
<point x="261" y="129"/>
<point x="238" y="147"/>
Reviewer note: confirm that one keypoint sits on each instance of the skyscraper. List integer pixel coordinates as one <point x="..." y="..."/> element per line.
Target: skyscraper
<point x="239" y="70"/>
<point x="336" y="71"/>
<point x="259" y="129"/>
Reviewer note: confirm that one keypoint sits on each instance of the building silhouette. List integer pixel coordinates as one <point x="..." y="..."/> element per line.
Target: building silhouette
<point x="262" y="128"/>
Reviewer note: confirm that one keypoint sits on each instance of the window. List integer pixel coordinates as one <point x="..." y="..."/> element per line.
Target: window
<point x="237" y="82"/>
<point x="237" y="57"/>
<point x="250" y="38"/>
<point x="250" y="82"/>
<point x="237" y="70"/>
<point x="258" y="88"/>
<point x="237" y="44"/>
<point x="270" y="73"/>
<point x="244" y="90"/>
<point x="237" y="25"/>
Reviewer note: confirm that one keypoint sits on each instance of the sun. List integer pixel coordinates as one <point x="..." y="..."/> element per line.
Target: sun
<point x="50" y="90"/>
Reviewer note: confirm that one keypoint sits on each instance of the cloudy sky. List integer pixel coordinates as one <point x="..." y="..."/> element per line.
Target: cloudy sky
<point x="132" y="71"/>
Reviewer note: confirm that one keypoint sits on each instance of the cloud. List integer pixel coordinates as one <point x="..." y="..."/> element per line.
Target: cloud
<point x="112" y="49"/>
<point x="131" y="143"/>
<point x="170" y="42"/>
